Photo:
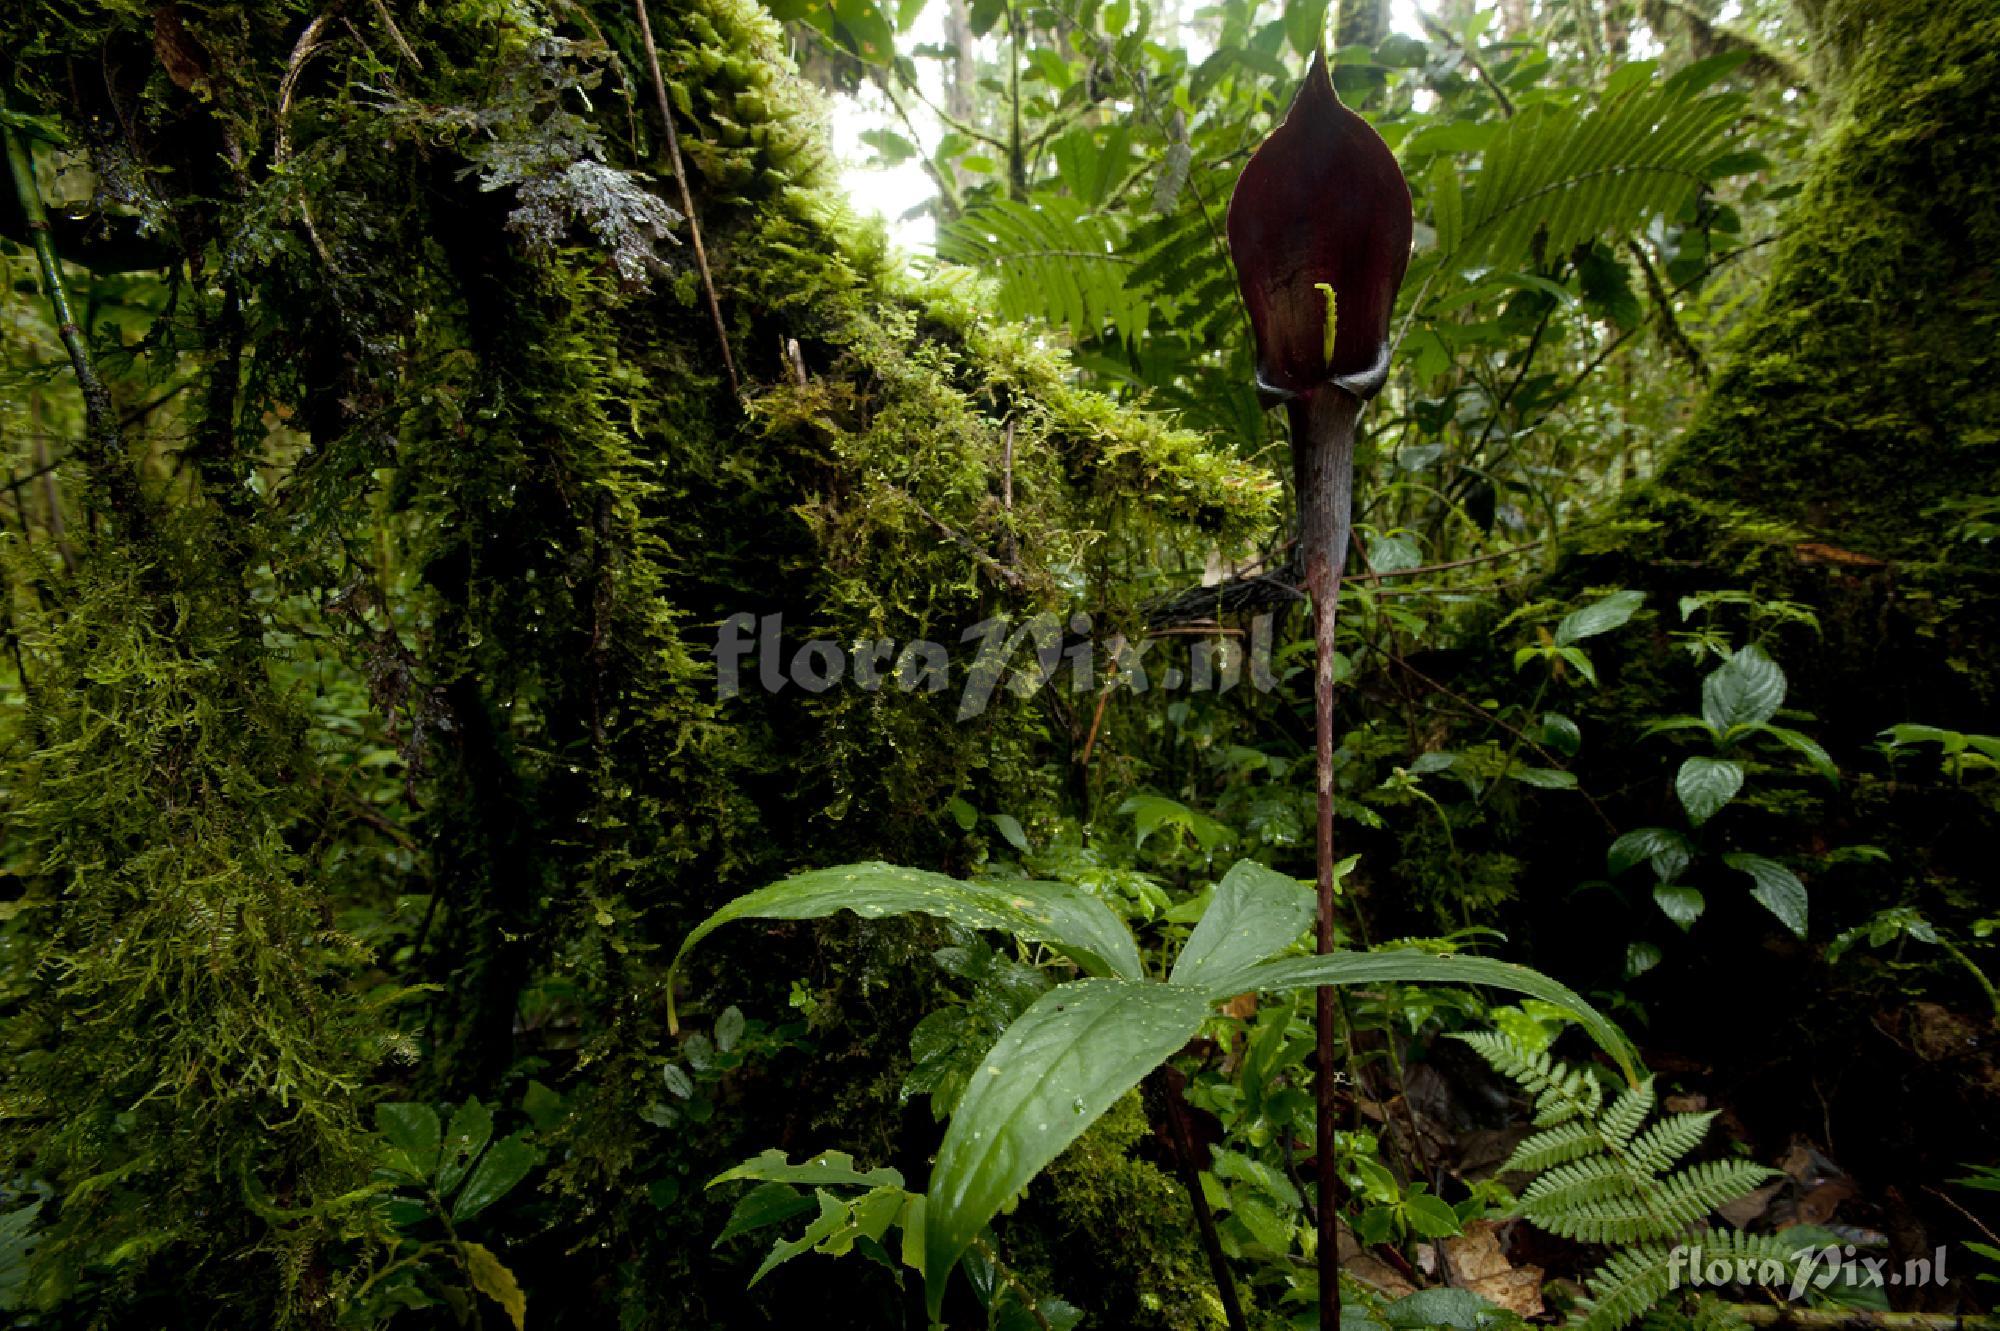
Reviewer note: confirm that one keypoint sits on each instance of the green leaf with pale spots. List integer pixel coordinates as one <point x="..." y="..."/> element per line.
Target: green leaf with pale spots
<point x="1060" y="1065"/>
<point x="1066" y="918"/>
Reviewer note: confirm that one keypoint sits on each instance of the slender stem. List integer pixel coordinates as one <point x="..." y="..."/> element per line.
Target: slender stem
<point x="1992" y="995"/>
<point x="1172" y="1084"/>
<point x="1323" y="470"/>
<point x="105" y="443"/>
<point x="687" y="195"/>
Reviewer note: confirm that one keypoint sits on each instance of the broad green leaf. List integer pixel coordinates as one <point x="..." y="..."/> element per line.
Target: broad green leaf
<point x="1267" y="1228"/>
<point x="1543" y="778"/>
<point x="465" y="1137"/>
<point x="826" y="1169"/>
<point x="1777" y="889"/>
<point x="1010" y="829"/>
<point x="1746" y="690"/>
<point x="1575" y="656"/>
<point x="414" y="1131"/>
<point x="1561" y="734"/>
<point x="868" y="1219"/>
<point x="1065" y="917"/>
<point x="1669" y="851"/>
<point x="505" y="1164"/>
<point x="1429" y="1216"/>
<point x="1400" y="967"/>
<point x="1679" y="723"/>
<point x="1152" y="812"/>
<point x="1705" y="785"/>
<point x="1640" y="958"/>
<point x="1266" y="1179"/>
<point x="496" y="1282"/>
<point x="1682" y="905"/>
<point x="1908" y="733"/>
<point x="1821" y="760"/>
<point x="912" y="1221"/>
<point x="764" y="1205"/>
<point x="1598" y="617"/>
<point x="1060" y="1065"/>
<point x="729" y="1028"/>
<point x="1305" y="24"/>
<point x="1456" y="1309"/>
<point x="1255" y="911"/>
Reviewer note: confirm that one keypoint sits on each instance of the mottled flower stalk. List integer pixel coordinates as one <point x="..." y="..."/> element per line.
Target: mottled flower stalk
<point x="1319" y="228"/>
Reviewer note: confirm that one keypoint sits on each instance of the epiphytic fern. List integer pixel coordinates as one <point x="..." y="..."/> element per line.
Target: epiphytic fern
<point x="1603" y="1175"/>
<point x="1556" y="177"/>
<point x="1050" y="259"/>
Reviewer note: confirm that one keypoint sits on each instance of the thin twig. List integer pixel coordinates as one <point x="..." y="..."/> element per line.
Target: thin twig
<point x="1172" y="1085"/>
<point x="396" y="36"/>
<point x="999" y="570"/>
<point x="1440" y="32"/>
<point x="1007" y="496"/>
<point x="1096" y="722"/>
<point x="1953" y="1204"/>
<point x="1671" y="331"/>
<point x="281" y="151"/>
<point x="687" y="195"/>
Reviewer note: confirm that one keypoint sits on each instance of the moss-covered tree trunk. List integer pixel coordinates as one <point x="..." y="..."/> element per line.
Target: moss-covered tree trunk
<point x="1853" y="427"/>
<point x="463" y="496"/>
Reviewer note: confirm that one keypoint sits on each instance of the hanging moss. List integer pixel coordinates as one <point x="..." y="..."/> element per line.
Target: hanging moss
<point x="181" y="1063"/>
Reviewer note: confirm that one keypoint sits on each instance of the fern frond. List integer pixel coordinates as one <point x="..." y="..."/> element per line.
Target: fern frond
<point x="1180" y="264"/>
<point x="1634" y="1279"/>
<point x="1050" y="260"/>
<point x="1553" y="1146"/>
<point x="1661" y="1146"/>
<point x="1598" y="1210"/>
<point x="1630" y="1281"/>
<point x="1562" y="177"/>
<point x="1628" y="1113"/>
<point x="1578" y="1194"/>
<point x="1686" y="1197"/>
<point x="1571" y="1094"/>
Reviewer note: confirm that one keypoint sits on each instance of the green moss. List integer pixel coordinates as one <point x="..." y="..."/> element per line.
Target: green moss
<point x="511" y="500"/>
<point x="1864" y="391"/>
<point x="1114" y="1233"/>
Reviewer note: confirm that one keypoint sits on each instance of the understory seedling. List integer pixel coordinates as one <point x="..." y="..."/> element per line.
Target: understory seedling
<point x="1083" y="1044"/>
<point x="1740" y="700"/>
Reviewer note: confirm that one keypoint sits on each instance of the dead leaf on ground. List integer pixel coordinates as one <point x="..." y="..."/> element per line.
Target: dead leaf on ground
<point x="1474" y="1261"/>
<point x="1371" y="1270"/>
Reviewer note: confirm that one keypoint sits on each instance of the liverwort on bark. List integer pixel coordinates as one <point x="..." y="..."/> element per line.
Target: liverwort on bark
<point x="1319" y="229"/>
